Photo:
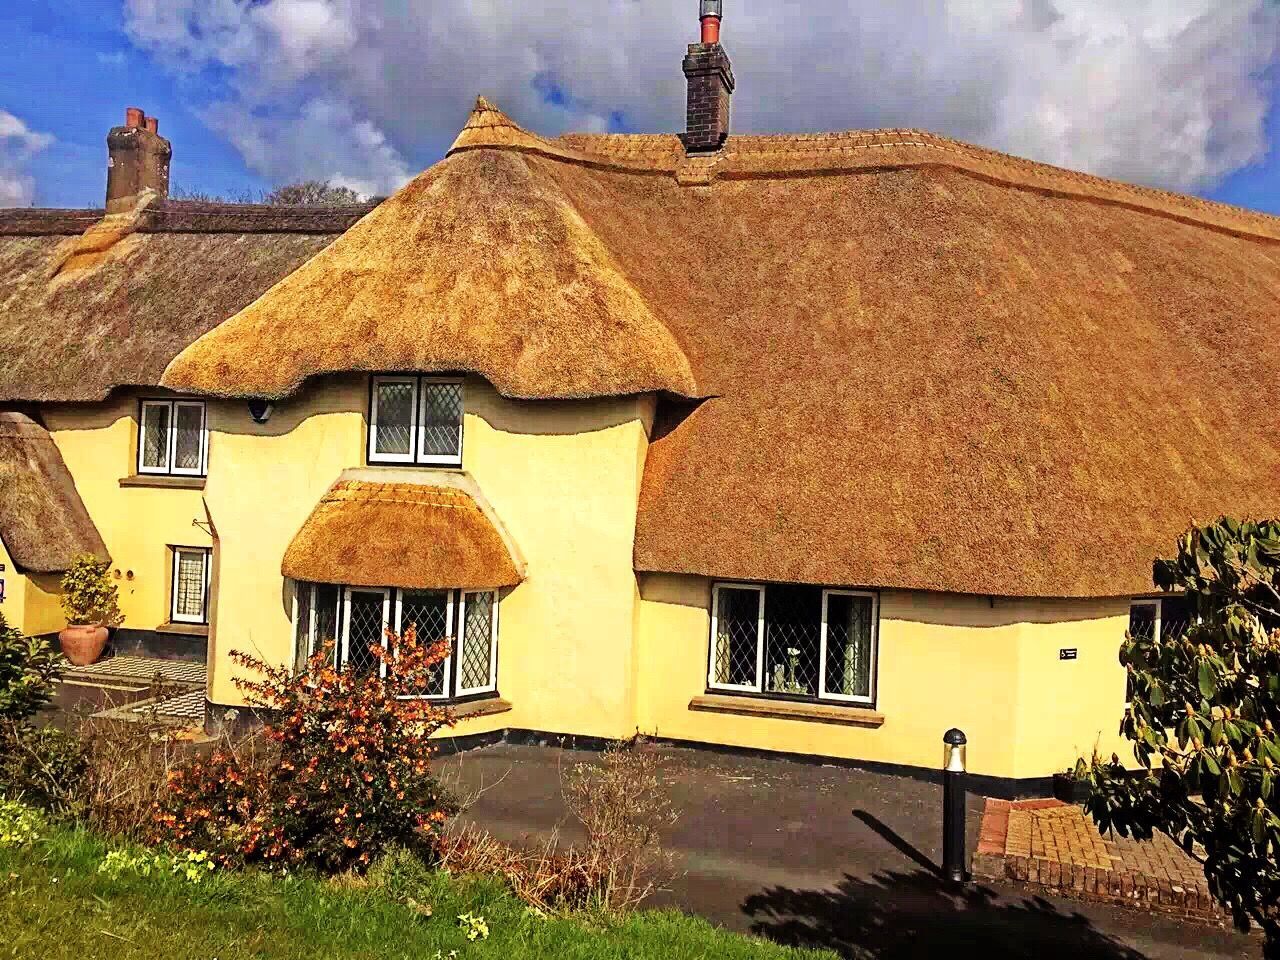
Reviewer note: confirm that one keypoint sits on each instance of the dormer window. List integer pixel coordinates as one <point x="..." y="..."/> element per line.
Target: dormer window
<point x="173" y="438"/>
<point x="416" y="420"/>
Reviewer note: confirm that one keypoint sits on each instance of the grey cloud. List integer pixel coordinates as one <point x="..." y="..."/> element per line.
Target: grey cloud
<point x="1165" y="92"/>
<point x="18" y="146"/>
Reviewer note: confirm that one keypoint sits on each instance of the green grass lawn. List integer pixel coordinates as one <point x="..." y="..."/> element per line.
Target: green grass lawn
<point x="55" y="904"/>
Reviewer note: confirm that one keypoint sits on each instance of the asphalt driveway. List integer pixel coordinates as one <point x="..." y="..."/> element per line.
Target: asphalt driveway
<point x="827" y="856"/>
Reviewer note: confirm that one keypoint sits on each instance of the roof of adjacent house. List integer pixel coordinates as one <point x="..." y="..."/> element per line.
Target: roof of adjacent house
<point x="922" y="364"/>
<point x="43" y="522"/>
<point x="90" y="302"/>
<point x="432" y="532"/>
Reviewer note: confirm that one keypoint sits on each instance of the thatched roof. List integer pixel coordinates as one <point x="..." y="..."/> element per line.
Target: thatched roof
<point x="43" y="521"/>
<point x="88" y="302"/>
<point x="930" y="365"/>
<point x="477" y="265"/>
<point x="429" y="532"/>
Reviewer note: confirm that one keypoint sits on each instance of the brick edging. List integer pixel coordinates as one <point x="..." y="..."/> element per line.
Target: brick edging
<point x="1076" y="881"/>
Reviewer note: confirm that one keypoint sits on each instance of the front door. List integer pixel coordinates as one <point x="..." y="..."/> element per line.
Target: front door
<point x="366" y="614"/>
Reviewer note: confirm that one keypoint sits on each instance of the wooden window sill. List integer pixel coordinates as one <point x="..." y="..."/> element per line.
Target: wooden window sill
<point x="481" y="708"/>
<point x="185" y="629"/>
<point x="160" y="480"/>
<point x="787" y="710"/>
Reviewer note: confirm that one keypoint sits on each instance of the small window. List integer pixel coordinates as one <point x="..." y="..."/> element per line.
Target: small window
<point x="355" y="619"/>
<point x="794" y="642"/>
<point x="416" y="420"/>
<point x="1163" y="617"/>
<point x="173" y="438"/>
<point x="190" y="585"/>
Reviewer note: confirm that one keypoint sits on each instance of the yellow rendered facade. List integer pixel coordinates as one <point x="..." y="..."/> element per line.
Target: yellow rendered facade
<point x="990" y="666"/>
<point x="586" y="646"/>
<point x="140" y="525"/>
<point x="29" y="602"/>
<point x="563" y="477"/>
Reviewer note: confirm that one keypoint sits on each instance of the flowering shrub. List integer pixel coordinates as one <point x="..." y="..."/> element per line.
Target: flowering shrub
<point x="345" y="774"/>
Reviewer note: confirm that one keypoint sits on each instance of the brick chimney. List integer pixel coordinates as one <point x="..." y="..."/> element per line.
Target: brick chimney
<point x="710" y="76"/>
<point x="138" y="160"/>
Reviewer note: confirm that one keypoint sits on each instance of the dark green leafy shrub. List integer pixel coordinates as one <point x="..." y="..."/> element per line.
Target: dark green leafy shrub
<point x="346" y="774"/>
<point x="29" y="670"/>
<point x="1203" y="721"/>
<point x="44" y="767"/>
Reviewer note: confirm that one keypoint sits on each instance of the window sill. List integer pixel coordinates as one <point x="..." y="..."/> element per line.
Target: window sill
<point x="161" y="480"/>
<point x="482" y="708"/>
<point x="785" y="710"/>
<point x="184" y="629"/>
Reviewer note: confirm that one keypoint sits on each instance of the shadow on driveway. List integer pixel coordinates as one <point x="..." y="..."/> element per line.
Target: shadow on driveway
<point x="899" y="915"/>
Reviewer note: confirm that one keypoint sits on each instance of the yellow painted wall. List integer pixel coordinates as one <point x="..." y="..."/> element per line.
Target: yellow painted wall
<point x="99" y="444"/>
<point x="562" y="476"/>
<point x="15" y="592"/>
<point x="944" y="660"/>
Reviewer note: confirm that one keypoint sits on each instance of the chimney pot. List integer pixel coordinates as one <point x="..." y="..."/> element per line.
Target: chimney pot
<point x="133" y="117"/>
<point x="710" y="30"/>
<point x="153" y="125"/>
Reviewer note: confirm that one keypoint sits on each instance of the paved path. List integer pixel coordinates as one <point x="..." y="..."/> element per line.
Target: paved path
<point x="1051" y="846"/>
<point x="829" y="856"/>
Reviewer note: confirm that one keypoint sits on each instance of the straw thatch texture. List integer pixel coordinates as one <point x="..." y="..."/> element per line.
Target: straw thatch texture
<point x="930" y="366"/>
<point x="406" y="535"/>
<point x="87" y="304"/>
<point x="43" y="521"/>
<point x="477" y="265"/>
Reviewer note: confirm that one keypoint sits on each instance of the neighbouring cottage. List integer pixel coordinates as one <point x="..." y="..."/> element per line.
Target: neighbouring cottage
<point x="810" y="444"/>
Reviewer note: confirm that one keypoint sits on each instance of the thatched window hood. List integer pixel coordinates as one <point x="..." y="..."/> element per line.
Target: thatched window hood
<point x="424" y="530"/>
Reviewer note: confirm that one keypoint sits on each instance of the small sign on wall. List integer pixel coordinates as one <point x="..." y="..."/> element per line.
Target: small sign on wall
<point x="1" y="589"/>
<point x="1067" y="653"/>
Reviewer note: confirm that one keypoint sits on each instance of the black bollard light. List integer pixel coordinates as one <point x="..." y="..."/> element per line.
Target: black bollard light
<point x="953" y="802"/>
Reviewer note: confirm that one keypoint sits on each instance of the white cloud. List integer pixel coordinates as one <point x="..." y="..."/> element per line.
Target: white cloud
<point x="1168" y="92"/>
<point x="18" y="145"/>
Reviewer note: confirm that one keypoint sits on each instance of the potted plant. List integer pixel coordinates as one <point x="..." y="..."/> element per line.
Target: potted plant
<point x="91" y="604"/>
<point x="1072" y="786"/>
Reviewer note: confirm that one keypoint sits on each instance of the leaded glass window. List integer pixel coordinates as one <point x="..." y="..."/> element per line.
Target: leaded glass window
<point x="173" y="438"/>
<point x="476" y="642"/>
<point x="416" y="419"/>
<point x="794" y="642"/>
<point x="190" y="585"/>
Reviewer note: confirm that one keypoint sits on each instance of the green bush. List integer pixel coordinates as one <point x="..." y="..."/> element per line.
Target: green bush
<point x="88" y="595"/>
<point x="44" y="766"/>
<point x="1205" y="722"/>
<point x="29" y="670"/>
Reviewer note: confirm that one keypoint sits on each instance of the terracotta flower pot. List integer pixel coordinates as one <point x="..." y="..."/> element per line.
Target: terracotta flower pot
<point x="82" y="645"/>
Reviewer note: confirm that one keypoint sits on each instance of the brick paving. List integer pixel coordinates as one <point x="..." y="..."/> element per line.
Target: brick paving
<point x="1053" y="846"/>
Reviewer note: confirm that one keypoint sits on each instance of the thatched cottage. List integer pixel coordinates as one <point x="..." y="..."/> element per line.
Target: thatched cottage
<point x="816" y="445"/>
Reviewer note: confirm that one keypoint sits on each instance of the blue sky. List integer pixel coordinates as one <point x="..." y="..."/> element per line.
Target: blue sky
<point x="368" y="92"/>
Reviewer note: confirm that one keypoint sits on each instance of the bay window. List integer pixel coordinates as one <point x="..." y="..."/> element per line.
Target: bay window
<point x="354" y="619"/>
<point x="794" y="642"/>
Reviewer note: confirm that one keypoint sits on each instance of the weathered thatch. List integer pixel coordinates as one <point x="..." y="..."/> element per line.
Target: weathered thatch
<point x="932" y="366"/>
<point x="477" y="265"/>
<point x="412" y="535"/>
<point x="88" y="303"/>
<point x="43" y="522"/>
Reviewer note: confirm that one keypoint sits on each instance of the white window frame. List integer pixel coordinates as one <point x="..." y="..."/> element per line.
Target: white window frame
<point x="712" y="684"/>
<point x="418" y="421"/>
<point x="492" y="685"/>
<point x="170" y="469"/>
<point x="345" y="646"/>
<point x="313" y="616"/>
<point x="437" y="459"/>
<point x="174" y="617"/>
<point x="448" y="629"/>
<point x="875" y="647"/>
<point x="415" y="399"/>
